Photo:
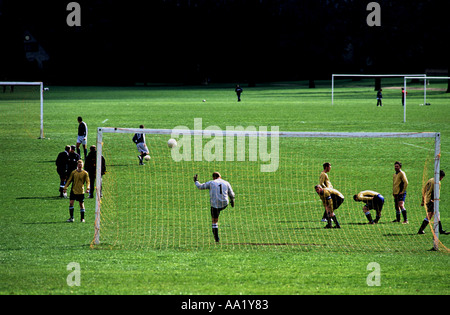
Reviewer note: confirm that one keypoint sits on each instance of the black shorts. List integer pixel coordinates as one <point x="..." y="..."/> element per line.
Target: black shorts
<point x="76" y="197"/>
<point x="337" y="201"/>
<point x="430" y="207"/>
<point x="215" y="212"/>
<point x="376" y="203"/>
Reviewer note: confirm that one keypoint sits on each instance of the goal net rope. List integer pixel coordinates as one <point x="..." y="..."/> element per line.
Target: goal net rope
<point x="157" y="205"/>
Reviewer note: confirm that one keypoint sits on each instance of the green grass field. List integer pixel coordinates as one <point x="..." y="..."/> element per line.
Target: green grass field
<point x="37" y="244"/>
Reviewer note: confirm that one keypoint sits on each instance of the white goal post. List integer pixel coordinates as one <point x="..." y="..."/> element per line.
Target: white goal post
<point x="425" y="78"/>
<point x="41" y="97"/>
<point x="209" y="133"/>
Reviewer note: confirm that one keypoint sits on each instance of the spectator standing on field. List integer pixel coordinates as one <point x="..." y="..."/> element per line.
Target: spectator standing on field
<point x="74" y="157"/>
<point x="238" y="91"/>
<point x="91" y="168"/>
<point x="404" y="93"/>
<point x="62" y="162"/>
<point x="379" y="97"/>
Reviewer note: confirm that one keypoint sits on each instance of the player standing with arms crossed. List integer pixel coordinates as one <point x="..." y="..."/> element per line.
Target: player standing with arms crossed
<point x="219" y="192"/>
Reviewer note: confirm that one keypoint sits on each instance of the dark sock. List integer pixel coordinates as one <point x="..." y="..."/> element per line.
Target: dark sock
<point x="215" y="230"/>
<point x="335" y="221"/>
<point x="423" y="226"/>
<point x="71" y="212"/>
<point x="404" y="215"/>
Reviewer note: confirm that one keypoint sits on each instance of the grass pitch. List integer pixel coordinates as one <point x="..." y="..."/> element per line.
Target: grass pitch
<point x="37" y="245"/>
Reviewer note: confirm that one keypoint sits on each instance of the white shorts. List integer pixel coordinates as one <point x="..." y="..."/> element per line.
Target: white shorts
<point x="82" y="140"/>
<point x="142" y="147"/>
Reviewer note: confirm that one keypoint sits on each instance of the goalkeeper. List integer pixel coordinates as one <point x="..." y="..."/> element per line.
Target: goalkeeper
<point x="219" y="192"/>
<point x="374" y="201"/>
<point x="331" y="199"/>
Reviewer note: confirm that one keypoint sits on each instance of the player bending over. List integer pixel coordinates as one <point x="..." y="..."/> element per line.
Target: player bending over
<point x="331" y="199"/>
<point x="219" y="192"/>
<point x="374" y="201"/>
<point x="428" y="200"/>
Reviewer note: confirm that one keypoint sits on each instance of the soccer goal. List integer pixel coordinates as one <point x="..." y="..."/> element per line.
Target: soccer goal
<point x="25" y="94"/>
<point x="409" y="76"/>
<point x="157" y="205"/>
<point x="425" y="79"/>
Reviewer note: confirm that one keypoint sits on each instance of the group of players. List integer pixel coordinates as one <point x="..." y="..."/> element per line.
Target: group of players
<point x="332" y="199"/>
<point x="70" y="169"/>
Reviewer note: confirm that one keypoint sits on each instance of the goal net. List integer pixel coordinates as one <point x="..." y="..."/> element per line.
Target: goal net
<point x="273" y="175"/>
<point x="26" y="100"/>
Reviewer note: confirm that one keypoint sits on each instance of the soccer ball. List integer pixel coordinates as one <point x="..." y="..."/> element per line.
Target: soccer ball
<point x="147" y="157"/>
<point x="204" y="101"/>
<point x="172" y="143"/>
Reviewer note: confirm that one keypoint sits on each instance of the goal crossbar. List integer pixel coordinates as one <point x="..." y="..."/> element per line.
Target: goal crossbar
<point x="435" y="135"/>
<point x="41" y="97"/>
<point x="272" y="133"/>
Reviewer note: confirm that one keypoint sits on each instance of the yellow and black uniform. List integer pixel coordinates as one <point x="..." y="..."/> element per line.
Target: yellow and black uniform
<point x="400" y="183"/>
<point x="324" y="181"/>
<point x="331" y="199"/>
<point x="428" y="194"/>
<point x="79" y="178"/>
<point x="373" y="201"/>
<point x="428" y="201"/>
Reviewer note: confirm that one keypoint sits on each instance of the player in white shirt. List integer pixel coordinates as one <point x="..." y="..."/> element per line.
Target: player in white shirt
<point x="139" y="139"/>
<point x="219" y="192"/>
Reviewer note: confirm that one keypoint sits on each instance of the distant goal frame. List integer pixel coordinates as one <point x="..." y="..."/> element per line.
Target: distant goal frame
<point x="41" y="99"/>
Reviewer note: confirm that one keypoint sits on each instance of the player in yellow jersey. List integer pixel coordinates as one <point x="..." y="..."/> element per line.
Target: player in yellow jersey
<point x="428" y="201"/>
<point x="374" y="201"/>
<point x="400" y="183"/>
<point x="325" y="182"/>
<point x="331" y="199"/>
<point x="78" y="178"/>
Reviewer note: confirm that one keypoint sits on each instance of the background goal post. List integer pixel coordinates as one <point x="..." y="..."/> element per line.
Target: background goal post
<point x="277" y="200"/>
<point x="41" y="99"/>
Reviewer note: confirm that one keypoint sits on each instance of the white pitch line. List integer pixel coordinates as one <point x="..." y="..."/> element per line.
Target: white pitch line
<point x="419" y="147"/>
<point x="105" y="121"/>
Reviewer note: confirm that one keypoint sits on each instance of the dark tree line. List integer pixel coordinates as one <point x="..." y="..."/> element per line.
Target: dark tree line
<point x="196" y="41"/>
